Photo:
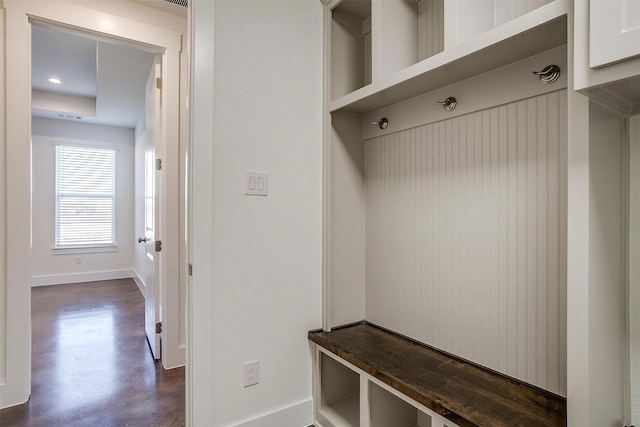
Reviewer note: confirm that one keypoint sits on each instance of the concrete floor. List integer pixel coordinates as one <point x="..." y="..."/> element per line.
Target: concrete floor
<point x="91" y="364"/>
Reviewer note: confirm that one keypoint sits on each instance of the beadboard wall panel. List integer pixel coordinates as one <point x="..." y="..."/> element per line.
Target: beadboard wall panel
<point x="430" y="28"/>
<point x="409" y="32"/>
<point x="507" y="10"/>
<point x="473" y="18"/>
<point x="466" y="237"/>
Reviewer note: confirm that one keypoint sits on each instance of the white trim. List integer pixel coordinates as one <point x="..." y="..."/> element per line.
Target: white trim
<point x="57" y="141"/>
<point x="200" y="348"/>
<point x="59" y="279"/>
<point x="299" y="414"/>
<point x="65" y="250"/>
<point x="326" y="172"/>
<point x="138" y="280"/>
<point x="3" y="221"/>
<point x="633" y="284"/>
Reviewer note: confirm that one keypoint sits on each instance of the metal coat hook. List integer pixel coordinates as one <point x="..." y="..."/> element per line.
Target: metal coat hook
<point x="548" y="74"/>
<point x="449" y="104"/>
<point x="383" y="123"/>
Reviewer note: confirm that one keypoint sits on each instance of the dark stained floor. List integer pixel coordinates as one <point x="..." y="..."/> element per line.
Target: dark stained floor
<point x="91" y="363"/>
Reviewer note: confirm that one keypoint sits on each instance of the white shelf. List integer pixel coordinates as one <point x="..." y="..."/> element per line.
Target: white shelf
<point x="538" y="31"/>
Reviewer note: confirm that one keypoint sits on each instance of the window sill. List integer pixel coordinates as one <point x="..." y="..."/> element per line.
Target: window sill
<point x="83" y="249"/>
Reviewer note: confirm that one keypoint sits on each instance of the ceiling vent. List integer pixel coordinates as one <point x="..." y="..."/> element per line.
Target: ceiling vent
<point x="183" y="3"/>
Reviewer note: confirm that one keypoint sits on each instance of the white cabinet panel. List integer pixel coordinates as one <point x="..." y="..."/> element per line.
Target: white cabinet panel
<point x="614" y="31"/>
<point x="346" y="238"/>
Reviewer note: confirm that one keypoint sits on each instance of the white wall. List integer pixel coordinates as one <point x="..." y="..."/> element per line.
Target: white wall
<point x="48" y="268"/>
<point x="256" y="260"/>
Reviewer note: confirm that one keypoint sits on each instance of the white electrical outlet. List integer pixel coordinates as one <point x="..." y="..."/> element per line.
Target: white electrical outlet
<point x="251" y="373"/>
<point x="78" y="260"/>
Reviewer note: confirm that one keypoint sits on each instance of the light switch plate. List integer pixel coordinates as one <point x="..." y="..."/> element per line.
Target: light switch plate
<point x="256" y="183"/>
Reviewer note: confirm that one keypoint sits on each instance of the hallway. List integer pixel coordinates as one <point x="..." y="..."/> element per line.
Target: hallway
<point x="91" y="364"/>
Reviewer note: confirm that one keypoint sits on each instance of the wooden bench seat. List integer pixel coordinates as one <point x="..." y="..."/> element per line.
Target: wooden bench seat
<point x="460" y="391"/>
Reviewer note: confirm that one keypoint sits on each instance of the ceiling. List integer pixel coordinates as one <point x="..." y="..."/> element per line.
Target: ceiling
<point x="101" y="82"/>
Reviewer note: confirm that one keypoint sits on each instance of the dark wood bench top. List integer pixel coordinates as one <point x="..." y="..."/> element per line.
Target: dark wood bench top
<point x="463" y="392"/>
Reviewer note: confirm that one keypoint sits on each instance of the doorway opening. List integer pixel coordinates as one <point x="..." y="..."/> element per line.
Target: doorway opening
<point x="122" y="25"/>
<point x="91" y="139"/>
<point x="94" y="216"/>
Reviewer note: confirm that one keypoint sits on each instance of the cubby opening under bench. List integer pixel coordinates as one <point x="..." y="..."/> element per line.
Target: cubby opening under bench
<point x="367" y="376"/>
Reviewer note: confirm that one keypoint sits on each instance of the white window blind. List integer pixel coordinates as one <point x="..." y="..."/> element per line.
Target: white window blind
<point x="85" y="196"/>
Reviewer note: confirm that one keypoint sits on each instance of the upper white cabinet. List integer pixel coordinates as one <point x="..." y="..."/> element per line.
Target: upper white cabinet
<point x="614" y="31"/>
<point x="607" y="52"/>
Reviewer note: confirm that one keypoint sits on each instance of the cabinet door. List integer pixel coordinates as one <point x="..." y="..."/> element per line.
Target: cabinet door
<point x="614" y="31"/>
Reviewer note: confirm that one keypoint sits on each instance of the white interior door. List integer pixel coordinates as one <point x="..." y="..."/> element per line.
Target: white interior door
<point x="153" y="315"/>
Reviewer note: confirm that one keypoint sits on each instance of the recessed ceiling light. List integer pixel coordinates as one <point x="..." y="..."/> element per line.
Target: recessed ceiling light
<point x="55" y="80"/>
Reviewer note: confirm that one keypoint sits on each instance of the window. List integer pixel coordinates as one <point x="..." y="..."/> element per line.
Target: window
<point x="85" y="196"/>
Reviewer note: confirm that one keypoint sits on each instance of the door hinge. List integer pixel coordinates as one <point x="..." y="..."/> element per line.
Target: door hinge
<point x="159" y="328"/>
<point x="190" y="269"/>
<point x="158" y="164"/>
<point x="158" y="83"/>
<point x="158" y="245"/>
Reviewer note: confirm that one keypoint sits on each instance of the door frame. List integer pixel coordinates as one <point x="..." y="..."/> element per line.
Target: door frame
<point x="15" y="374"/>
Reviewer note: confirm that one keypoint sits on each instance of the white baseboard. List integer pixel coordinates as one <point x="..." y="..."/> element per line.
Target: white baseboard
<point x="297" y="415"/>
<point x="138" y="281"/>
<point x="60" y="279"/>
